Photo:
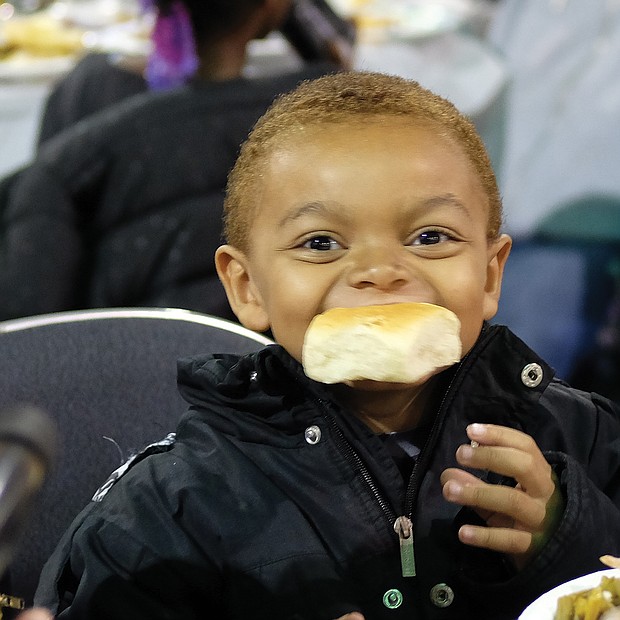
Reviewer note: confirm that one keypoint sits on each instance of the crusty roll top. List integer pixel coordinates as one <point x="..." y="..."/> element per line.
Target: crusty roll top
<point x="400" y="343"/>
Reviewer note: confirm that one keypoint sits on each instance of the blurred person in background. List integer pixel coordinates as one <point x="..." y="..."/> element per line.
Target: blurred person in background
<point x="197" y="40"/>
<point x="123" y="209"/>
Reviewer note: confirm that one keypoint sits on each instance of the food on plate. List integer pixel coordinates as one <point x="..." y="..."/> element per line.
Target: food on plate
<point x="398" y="343"/>
<point x="40" y="35"/>
<point x="599" y="603"/>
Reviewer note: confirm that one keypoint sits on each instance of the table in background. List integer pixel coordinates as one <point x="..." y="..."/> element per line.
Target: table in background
<point x="21" y="105"/>
<point x="447" y="55"/>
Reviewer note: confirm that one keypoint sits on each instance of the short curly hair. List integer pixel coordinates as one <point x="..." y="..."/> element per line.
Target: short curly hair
<point x="343" y="98"/>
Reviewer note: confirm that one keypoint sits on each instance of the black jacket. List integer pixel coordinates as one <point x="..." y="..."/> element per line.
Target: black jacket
<point x="97" y="81"/>
<point x="124" y="208"/>
<point x="274" y="503"/>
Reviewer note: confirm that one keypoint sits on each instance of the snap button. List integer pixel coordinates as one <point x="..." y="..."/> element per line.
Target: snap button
<point x="442" y="595"/>
<point x="393" y="599"/>
<point x="312" y="435"/>
<point x="532" y="375"/>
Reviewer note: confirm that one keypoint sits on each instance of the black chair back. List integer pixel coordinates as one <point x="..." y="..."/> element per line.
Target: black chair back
<point x="108" y="380"/>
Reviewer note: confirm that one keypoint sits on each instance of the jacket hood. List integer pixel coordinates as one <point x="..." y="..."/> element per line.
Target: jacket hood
<point x="250" y="396"/>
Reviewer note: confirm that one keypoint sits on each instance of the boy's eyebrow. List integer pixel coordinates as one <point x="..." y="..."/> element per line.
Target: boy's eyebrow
<point x="445" y="200"/>
<point x="321" y="208"/>
<point x="308" y="208"/>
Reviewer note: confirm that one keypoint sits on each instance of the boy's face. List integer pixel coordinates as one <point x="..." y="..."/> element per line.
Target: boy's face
<point x="353" y="215"/>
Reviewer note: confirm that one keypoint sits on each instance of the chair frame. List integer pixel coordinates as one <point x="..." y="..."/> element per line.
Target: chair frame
<point x="70" y="483"/>
<point x="176" y="314"/>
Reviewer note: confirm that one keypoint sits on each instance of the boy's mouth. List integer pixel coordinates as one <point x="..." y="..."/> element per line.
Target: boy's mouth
<point x="380" y="302"/>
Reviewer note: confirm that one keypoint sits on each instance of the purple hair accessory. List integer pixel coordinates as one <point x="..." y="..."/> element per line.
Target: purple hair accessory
<point x="173" y="60"/>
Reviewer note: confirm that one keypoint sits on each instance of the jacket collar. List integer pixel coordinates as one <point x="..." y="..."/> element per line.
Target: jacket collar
<point x="500" y="379"/>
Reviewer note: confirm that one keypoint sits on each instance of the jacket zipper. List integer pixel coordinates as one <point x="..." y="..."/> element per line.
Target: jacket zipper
<point x="359" y="466"/>
<point x="402" y="525"/>
<point x="425" y="453"/>
<point x="422" y="462"/>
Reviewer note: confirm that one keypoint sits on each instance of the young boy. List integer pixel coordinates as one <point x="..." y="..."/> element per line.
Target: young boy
<point x="280" y="495"/>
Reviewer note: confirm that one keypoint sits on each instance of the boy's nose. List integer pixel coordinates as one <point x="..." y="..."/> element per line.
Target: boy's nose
<point x="381" y="268"/>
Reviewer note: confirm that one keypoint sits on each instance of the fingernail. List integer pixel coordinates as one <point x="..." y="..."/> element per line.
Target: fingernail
<point x="466" y="451"/>
<point x="454" y="489"/>
<point x="466" y="534"/>
<point x="476" y="430"/>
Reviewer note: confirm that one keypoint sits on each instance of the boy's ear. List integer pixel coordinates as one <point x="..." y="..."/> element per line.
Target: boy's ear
<point x="499" y="249"/>
<point x="243" y="296"/>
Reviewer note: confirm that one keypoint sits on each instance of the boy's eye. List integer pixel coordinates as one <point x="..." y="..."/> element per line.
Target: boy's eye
<point x="430" y="237"/>
<point x="321" y="243"/>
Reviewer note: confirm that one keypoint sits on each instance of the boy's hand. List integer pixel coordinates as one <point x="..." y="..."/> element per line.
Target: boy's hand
<point x="519" y="519"/>
<point x="36" y="613"/>
<point x="39" y="613"/>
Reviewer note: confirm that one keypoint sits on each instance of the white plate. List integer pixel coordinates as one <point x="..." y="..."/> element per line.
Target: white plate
<point x="408" y="20"/>
<point x="544" y="608"/>
<point x="427" y="20"/>
<point x="21" y="67"/>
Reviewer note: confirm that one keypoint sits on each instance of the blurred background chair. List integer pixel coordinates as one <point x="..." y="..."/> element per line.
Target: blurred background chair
<point x="108" y="380"/>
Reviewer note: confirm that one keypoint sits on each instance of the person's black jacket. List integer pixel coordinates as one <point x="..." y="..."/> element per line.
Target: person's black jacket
<point x="275" y="503"/>
<point x="96" y="82"/>
<point x="124" y="208"/>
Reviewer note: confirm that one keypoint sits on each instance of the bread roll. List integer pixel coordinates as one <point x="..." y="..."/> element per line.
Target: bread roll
<point x="396" y="343"/>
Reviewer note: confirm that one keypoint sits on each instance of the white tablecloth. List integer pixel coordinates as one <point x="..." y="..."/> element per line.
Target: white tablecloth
<point x="20" y="112"/>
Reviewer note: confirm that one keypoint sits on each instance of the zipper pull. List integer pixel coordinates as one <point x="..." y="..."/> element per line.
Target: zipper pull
<point x="404" y="528"/>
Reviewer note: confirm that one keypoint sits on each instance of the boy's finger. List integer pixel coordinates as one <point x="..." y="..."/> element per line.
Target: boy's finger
<point x="493" y="434"/>
<point x="36" y="613"/>
<point x="504" y="461"/>
<point x="460" y="475"/>
<point x="490" y="498"/>
<point x="532" y="472"/>
<point x="513" y="542"/>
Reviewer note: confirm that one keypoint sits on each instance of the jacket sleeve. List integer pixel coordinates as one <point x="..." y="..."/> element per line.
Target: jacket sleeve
<point x="41" y="249"/>
<point x="589" y="477"/>
<point x="128" y="560"/>
<point x="95" y="83"/>
<point x="121" y="577"/>
<point x="591" y="523"/>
